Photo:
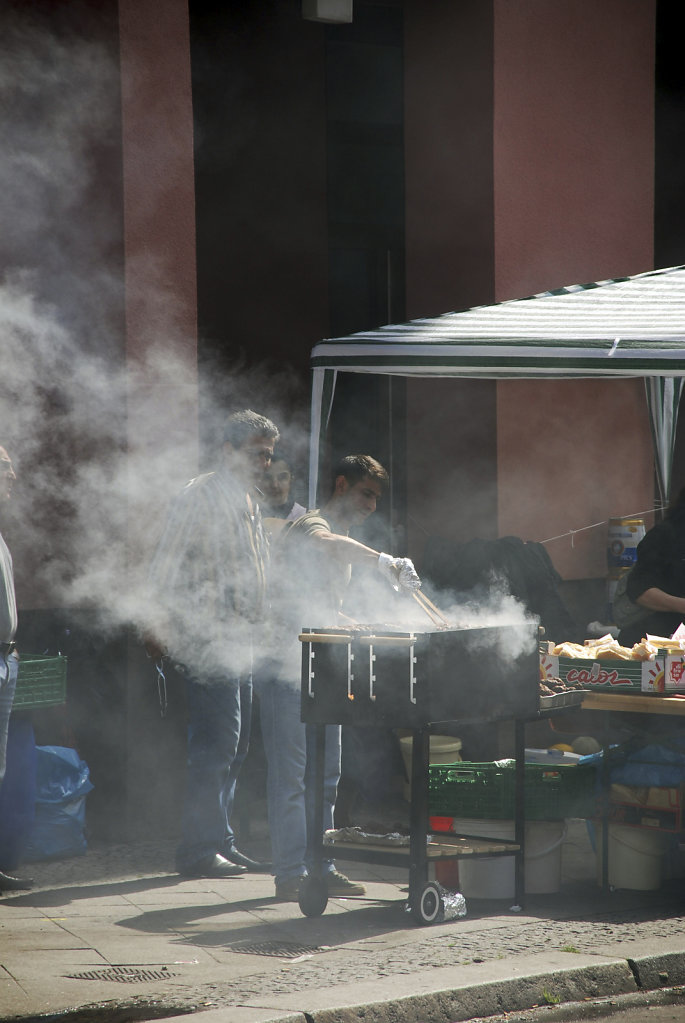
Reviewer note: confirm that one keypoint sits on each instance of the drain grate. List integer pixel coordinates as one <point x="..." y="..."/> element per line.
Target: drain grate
<point x="123" y="974"/>
<point x="281" y="949"/>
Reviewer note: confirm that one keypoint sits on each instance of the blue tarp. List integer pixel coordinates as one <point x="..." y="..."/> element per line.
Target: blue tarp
<point x="656" y="764"/>
<point x="62" y="784"/>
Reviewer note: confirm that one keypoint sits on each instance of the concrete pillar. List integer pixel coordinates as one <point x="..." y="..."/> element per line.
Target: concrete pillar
<point x="161" y="343"/>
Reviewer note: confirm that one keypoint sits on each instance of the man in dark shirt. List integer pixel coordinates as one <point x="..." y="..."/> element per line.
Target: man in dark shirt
<point x="657" y="581"/>
<point x="277" y="484"/>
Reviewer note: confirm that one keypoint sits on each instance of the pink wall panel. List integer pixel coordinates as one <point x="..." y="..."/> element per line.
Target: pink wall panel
<point x="159" y="210"/>
<point x="573" y="158"/>
<point x="573" y="142"/>
<point x="572" y="453"/>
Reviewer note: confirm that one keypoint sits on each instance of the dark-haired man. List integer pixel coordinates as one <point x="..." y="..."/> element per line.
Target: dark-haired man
<point x="313" y="561"/>
<point x="9" y="660"/>
<point x="277" y="486"/>
<point x="208" y="581"/>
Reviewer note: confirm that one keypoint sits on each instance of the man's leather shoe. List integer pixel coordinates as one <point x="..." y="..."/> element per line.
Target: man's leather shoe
<point x="214" y="866"/>
<point x="14" y="884"/>
<point x="255" y="866"/>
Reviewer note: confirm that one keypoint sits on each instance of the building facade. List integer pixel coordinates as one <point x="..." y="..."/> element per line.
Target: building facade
<point x="197" y="192"/>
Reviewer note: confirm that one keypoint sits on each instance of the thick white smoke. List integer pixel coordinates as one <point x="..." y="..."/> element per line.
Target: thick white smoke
<point x="101" y="438"/>
<point x="102" y="442"/>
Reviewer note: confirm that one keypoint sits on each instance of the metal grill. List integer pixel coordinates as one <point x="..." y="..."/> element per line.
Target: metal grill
<point x="124" y="974"/>
<point x="408" y="679"/>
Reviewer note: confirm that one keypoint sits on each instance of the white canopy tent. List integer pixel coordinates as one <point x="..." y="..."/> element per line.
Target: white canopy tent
<point x="624" y="327"/>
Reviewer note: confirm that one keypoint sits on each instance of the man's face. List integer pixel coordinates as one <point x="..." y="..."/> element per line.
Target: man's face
<point x="251" y="461"/>
<point x="7" y="476"/>
<point x="277" y="480"/>
<point x="359" y="499"/>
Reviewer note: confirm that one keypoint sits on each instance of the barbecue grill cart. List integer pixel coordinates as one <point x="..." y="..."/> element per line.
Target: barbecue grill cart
<point x="412" y="680"/>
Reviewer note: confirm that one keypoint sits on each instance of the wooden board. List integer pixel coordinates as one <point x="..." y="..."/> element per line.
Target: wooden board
<point x="642" y="704"/>
<point x="434" y="850"/>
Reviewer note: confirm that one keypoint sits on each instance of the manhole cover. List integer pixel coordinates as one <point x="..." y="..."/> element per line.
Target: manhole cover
<point x="123" y="974"/>
<point x="282" y="949"/>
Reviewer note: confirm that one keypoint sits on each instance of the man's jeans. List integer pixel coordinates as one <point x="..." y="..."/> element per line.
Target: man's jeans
<point x="9" y="668"/>
<point x="289" y="746"/>
<point x="219" y="718"/>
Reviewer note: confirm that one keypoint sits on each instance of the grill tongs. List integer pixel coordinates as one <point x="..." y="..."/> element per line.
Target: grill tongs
<point x="427" y="605"/>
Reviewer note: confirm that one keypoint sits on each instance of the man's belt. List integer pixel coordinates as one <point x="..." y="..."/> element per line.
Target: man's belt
<point x="7" y="648"/>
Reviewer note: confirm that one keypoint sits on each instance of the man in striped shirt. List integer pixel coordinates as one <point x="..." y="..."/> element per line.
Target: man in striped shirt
<point x="208" y="581"/>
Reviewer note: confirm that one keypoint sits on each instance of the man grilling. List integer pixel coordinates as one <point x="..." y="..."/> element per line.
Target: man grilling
<point x="312" y="564"/>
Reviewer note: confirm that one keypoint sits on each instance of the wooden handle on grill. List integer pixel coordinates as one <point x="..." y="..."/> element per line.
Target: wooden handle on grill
<point x="323" y="637"/>
<point x="386" y="640"/>
<point x="364" y="640"/>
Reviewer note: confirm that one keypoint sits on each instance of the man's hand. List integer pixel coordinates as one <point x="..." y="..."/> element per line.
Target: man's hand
<point x="400" y="572"/>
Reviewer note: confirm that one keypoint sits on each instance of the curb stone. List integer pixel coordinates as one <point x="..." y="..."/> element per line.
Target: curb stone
<point x="601" y="1008"/>
<point x="462" y="1003"/>
<point x="657" y="971"/>
<point x="632" y="980"/>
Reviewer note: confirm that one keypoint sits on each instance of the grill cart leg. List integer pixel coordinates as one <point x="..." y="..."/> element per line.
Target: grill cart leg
<point x="313" y="897"/>
<point x="418" y="822"/>
<point x="519" y="813"/>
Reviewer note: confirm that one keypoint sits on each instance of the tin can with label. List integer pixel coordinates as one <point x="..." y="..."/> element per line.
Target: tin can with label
<point x="624" y="536"/>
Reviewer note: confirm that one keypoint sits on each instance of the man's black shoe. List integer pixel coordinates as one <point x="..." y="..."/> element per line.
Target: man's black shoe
<point x="14" y="884"/>
<point x="255" y="866"/>
<point x="214" y="866"/>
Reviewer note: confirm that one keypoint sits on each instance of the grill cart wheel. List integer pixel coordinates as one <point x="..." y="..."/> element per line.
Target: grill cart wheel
<point x="428" y="905"/>
<point x="313" y="897"/>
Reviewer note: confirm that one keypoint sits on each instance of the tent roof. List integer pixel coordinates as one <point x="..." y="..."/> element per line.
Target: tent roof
<point x="629" y="326"/>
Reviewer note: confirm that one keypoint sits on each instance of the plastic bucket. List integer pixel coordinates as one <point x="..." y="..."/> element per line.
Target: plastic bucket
<point x="494" y="877"/>
<point x="444" y="749"/>
<point x="446" y="871"/>
<point x="624" y="536"/>
<point x="635" y="857"/>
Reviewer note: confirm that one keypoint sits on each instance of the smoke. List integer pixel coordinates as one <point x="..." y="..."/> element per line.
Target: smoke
<point x="101" y="439"/>
<point x="496" y="621"/>
<point x="100" y="450"/>
<point x="490" y="619"/>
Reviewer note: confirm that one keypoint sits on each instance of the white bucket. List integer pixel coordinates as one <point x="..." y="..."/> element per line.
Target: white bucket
<point x="635" y="857"/>
<point x="494" y="877"/>
<point x="444" y="749"/>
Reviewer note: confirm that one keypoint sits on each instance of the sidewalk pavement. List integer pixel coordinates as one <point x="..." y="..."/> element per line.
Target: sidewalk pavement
<point x="117" y="927"/>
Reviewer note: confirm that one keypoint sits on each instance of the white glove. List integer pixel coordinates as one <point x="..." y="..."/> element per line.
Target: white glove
<point x="400" y="572"/>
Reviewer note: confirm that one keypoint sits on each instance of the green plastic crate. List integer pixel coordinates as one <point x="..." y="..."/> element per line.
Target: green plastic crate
<point x="486" y="791"/>
<point x="41" y="682"/>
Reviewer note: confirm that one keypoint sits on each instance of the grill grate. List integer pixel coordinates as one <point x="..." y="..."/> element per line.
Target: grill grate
<point x="123" y="974"/>
<point x="281" y="949"/>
